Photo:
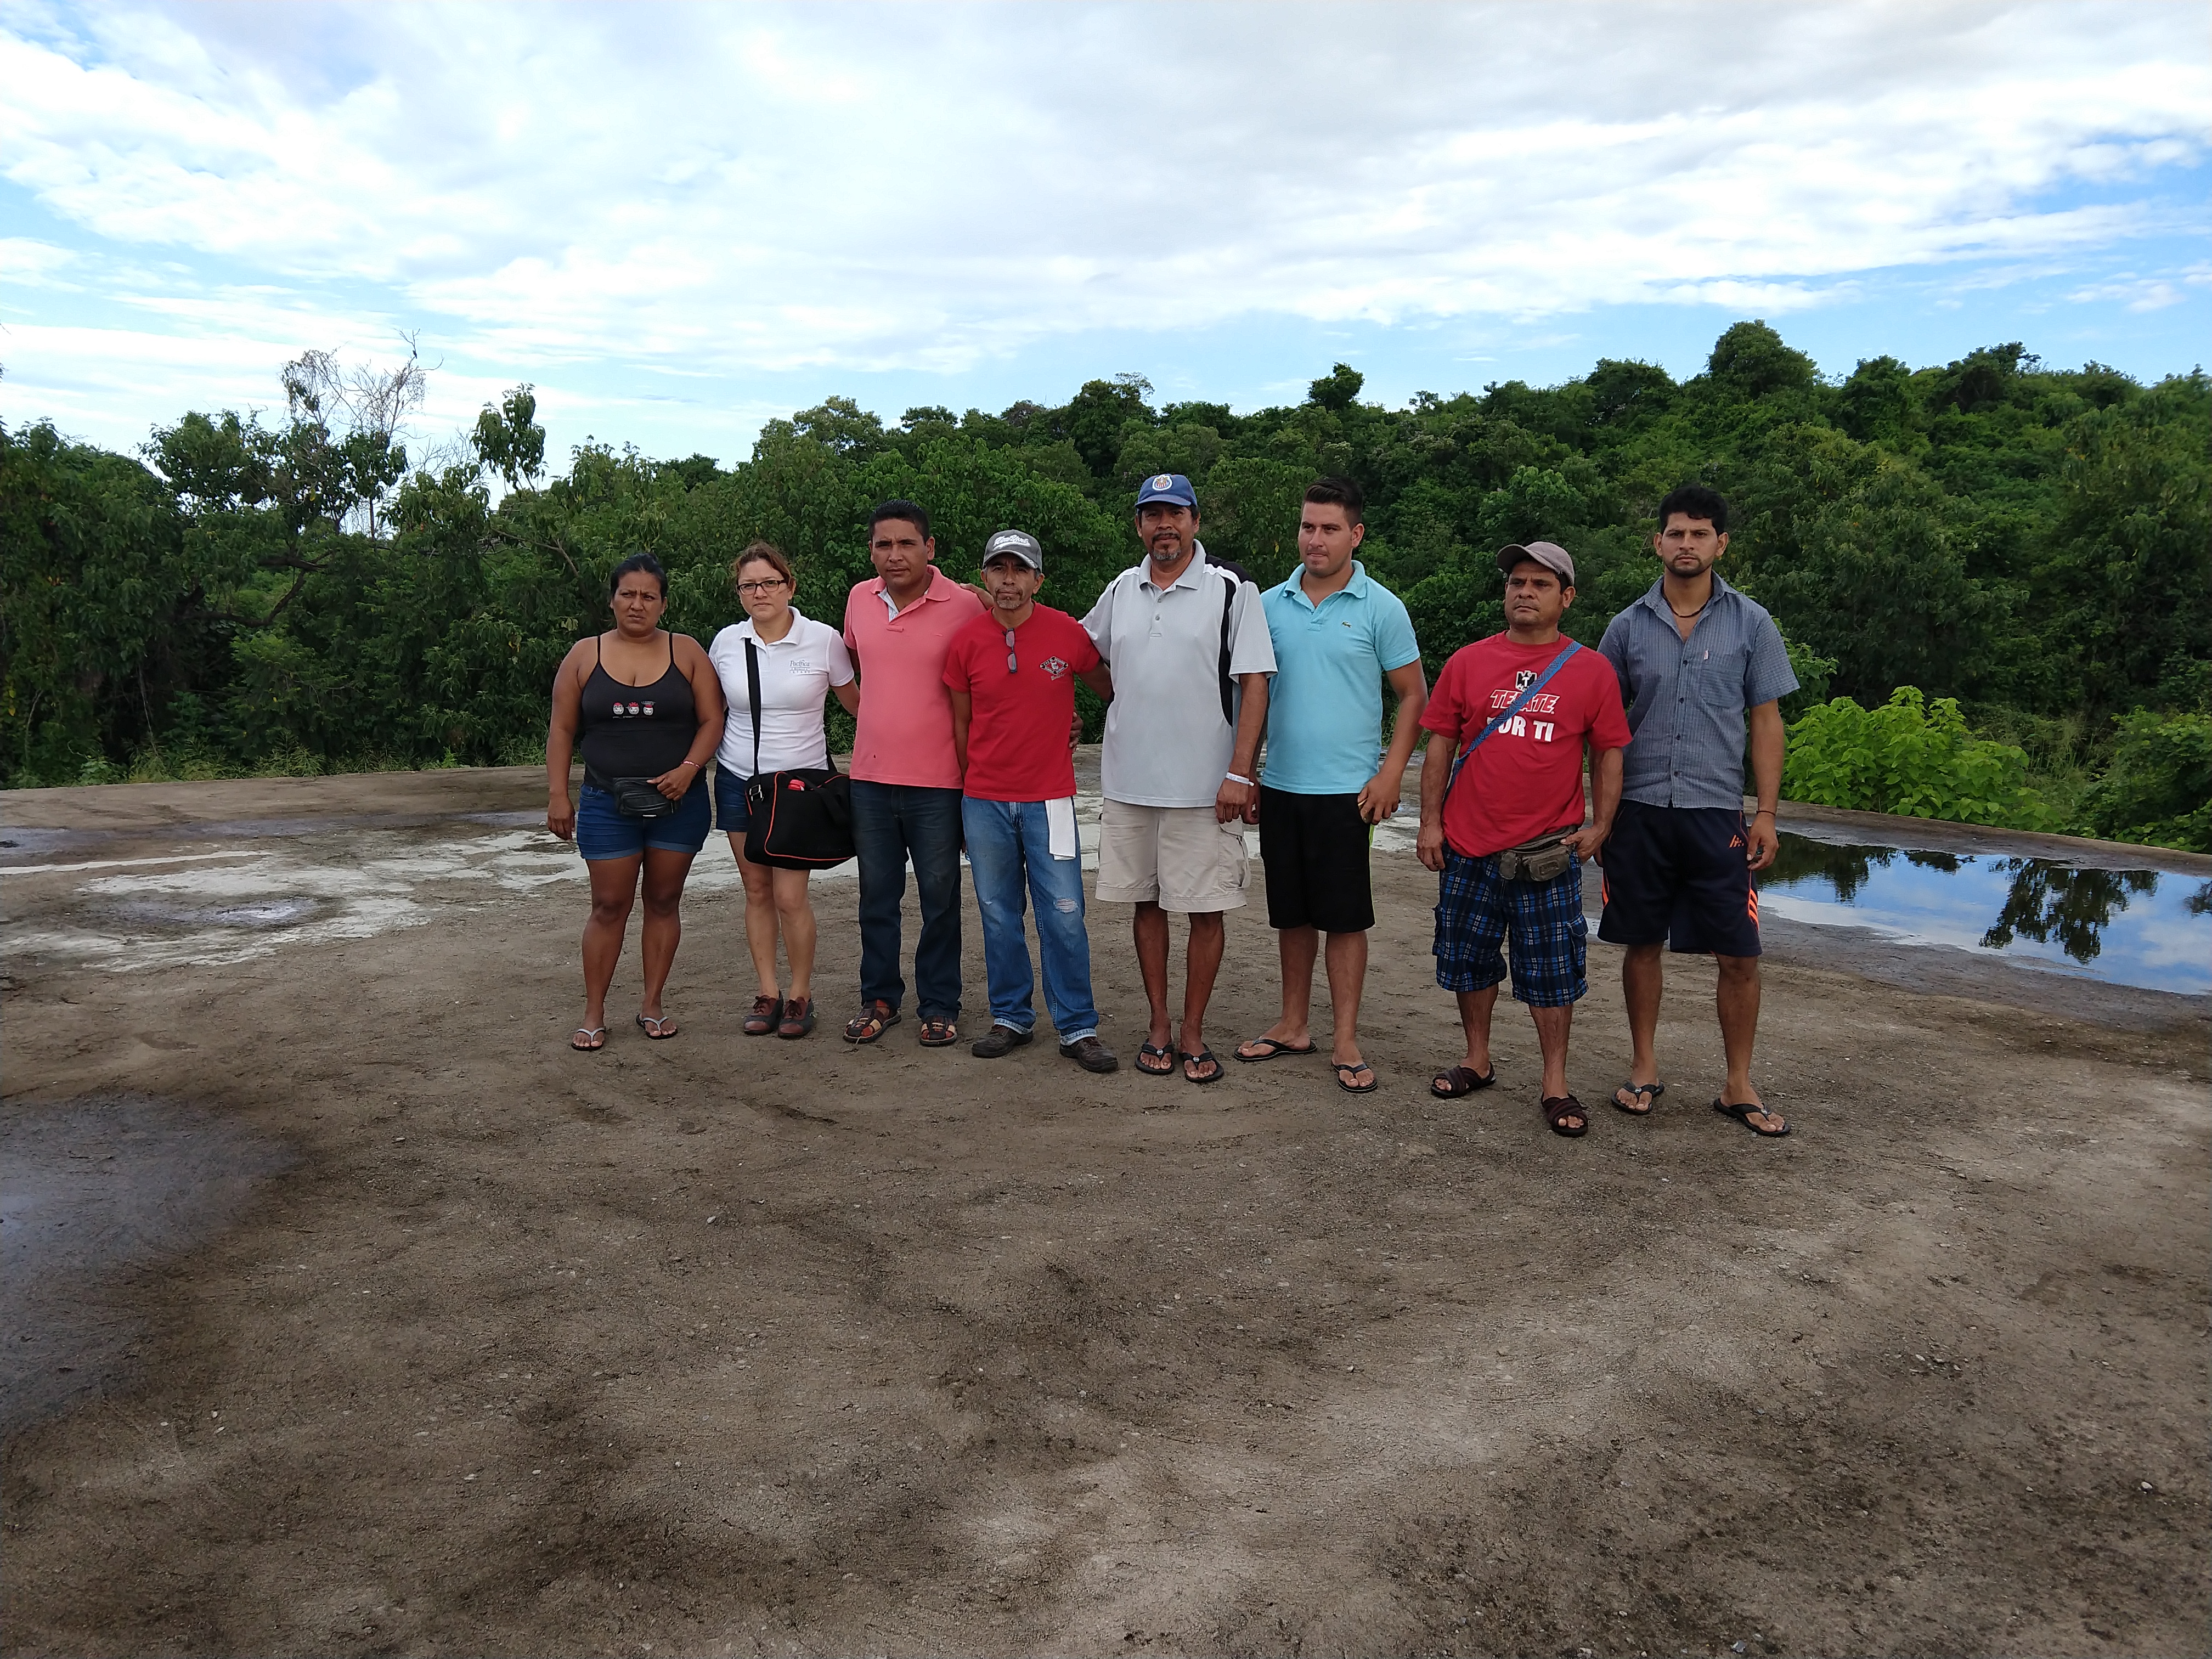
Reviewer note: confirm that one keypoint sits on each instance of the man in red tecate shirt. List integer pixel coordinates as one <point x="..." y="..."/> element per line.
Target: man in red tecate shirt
<point x="1506" y="832"/>
<point x="1011" y="674"/>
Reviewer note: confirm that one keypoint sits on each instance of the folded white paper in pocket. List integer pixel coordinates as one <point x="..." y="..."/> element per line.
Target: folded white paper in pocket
<point x="1060" y="827"/>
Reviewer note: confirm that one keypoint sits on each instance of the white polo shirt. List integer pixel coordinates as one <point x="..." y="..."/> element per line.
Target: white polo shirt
<point x="1167" y="743"/>
<point x="796" y="673"/>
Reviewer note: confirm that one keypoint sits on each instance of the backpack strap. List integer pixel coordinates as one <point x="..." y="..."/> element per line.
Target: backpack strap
<point x="1229" y="586"/>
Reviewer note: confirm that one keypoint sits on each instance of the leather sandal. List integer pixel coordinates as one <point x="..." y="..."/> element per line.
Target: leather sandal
<point x="1557" y="1109"/>
<point x="1458" y="1080"/>
<point x="871" y="1021"/>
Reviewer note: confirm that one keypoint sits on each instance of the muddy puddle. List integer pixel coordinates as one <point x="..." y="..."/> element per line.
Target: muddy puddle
<point x="96" y="1193"/>
<point x="2151" y="929"/>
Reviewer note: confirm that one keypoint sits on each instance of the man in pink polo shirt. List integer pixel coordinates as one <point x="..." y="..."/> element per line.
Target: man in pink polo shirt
<point x="906" y="774"/>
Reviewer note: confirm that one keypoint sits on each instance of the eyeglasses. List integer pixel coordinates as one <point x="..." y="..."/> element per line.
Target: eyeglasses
<point x="1013" y="662"/>
<point x="768" y="586"/>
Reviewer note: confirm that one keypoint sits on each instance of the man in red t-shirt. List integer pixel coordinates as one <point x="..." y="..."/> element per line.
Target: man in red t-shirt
<point x="1507" y="834"/>
<point x="1011" y="675"/>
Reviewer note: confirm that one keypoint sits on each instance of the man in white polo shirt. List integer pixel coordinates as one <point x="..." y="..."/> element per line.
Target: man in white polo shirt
<point x="1186" y="658"/>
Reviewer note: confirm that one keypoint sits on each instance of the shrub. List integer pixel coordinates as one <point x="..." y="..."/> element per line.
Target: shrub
<point x="2159" y="786"/>
<point x="1909" y="757"/>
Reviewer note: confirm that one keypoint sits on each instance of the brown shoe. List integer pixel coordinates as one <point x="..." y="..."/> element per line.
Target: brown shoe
<point x="798" y="1018"/>
<point x="766" y="1011"/>
<point x="1091" y="1054"/>
<point x="999" y="1041"/>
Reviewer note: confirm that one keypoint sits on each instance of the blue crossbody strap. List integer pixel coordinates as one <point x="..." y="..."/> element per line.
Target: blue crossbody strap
<point x="1511" y="709"/>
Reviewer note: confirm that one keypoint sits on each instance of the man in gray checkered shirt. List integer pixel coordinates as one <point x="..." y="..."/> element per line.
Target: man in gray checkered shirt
<point x="1698" y="663"/>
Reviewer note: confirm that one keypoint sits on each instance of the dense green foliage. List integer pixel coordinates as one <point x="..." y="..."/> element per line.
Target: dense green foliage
<point x="2030" y="543"/>
<point x="1906" y="757"/>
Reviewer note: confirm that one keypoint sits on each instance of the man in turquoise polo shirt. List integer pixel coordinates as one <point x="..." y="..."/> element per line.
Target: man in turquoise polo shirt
<point x="1339" y="634"/>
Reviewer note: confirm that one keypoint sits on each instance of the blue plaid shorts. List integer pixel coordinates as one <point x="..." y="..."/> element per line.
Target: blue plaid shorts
<point x="1476" y="911"/>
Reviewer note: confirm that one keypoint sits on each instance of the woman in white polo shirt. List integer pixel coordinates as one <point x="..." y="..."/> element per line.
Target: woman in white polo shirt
<point x="800" y="661"/>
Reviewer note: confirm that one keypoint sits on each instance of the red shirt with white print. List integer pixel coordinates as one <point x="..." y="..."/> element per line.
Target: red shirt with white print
<point x="1526" y="779"/>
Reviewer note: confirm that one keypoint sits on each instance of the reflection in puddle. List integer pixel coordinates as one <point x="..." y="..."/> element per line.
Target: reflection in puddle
<point x="2141" y="927"/>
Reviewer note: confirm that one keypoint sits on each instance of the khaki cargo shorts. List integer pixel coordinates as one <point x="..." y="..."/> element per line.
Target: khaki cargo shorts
<point x="1178" y="855"/>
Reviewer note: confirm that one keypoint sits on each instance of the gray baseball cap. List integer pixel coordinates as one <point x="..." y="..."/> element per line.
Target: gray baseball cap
<point x="1015" y="544"/>
<point x="1553" y="557"/>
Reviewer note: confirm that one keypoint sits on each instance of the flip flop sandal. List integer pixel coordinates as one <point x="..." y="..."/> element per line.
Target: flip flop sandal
<point x="1557" y="1109"/>
<point x="655" y="1026"/>
<point x="1742" y="1113"/>
<point x="1345" y="1073"/>
<point x="766" y="1011"/>
<point x="938" y="1033"/>
<point x="866" y="1026"/>
<point x="798" y="1018"/>
<point x="1275" y="1050"/>
<point x="1204" y="1056"/>
<point x="598" y="1031"/>
<point x="1155" y="1052"/>
<point x="1639" y="1089"/>
<point x="1458" y="1080"/>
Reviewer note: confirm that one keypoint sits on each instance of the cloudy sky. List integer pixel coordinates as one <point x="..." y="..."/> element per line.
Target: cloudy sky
<point x="678" y="221"/>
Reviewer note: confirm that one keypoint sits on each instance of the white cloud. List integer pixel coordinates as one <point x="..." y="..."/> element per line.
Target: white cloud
<point x="724" y="191"/>
<point x="2142" y="293"/>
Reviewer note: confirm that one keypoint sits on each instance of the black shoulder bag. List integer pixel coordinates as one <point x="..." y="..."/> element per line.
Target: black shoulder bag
<point x="801" y="819"/>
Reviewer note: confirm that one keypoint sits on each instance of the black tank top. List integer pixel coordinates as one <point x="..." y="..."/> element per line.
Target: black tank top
<point x="637" y="731"/>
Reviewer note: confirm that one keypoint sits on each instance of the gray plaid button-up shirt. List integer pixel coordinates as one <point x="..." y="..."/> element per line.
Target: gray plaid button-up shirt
<point x="1687" y="698"/>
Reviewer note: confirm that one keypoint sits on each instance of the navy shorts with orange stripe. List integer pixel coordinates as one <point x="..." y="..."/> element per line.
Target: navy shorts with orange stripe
<point x="1679" y="874"/>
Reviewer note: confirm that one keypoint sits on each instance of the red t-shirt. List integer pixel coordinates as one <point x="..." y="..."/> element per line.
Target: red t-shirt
<point x="1018" y="724"/>
<point x="1526" y="780"/>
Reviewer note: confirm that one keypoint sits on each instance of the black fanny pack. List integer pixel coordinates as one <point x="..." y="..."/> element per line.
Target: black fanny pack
<point x="636" y="797"/>
<point x="1545" y="859"/>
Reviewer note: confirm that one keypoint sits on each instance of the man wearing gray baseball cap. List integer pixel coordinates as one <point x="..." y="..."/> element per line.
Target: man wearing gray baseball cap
<point x="1502" y="819"/>
<point x="1011" y="676"/>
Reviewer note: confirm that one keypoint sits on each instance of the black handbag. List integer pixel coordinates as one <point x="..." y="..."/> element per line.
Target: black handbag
<point x="800" y="819"/>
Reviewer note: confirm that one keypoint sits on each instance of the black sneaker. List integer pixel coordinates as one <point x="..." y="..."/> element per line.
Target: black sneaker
<point x="996" y="1042"/>
<point x="1091" y="1054"/>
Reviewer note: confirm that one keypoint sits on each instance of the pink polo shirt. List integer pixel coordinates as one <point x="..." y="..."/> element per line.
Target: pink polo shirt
<point x="906" y="713"/>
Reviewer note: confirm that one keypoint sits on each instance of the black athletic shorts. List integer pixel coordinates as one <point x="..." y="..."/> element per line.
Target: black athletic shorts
<point x="1314" y="849"/>
<point x="1682" y="874"/>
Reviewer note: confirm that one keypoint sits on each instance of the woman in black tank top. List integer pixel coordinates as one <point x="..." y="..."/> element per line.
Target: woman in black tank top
<point x="648" y="705"/>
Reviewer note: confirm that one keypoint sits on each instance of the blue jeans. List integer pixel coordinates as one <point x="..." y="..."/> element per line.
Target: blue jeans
<point x="1005" y="840"/>
<point x="891" y="823"/>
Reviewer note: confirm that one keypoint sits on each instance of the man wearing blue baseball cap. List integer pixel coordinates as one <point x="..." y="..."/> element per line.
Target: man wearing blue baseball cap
<point x="1187" y="657"/>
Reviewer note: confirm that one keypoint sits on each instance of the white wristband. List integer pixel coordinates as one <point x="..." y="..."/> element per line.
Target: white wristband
<point x="1235" y="777"/>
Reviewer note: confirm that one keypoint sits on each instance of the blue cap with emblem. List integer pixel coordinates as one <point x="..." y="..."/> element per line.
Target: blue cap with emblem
<point x="1166" y="487"/>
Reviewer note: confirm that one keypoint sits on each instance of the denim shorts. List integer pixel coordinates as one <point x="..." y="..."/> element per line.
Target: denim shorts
<point x="1477" y="911"/>
<point x="730" y="814"/>
<point x="603" y="833"/>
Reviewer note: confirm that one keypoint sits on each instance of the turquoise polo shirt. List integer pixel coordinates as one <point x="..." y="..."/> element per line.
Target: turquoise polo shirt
<point x="1325" y="707"/>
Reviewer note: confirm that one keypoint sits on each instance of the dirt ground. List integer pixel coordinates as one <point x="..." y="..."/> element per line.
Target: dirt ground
<point x="393" y="1326"/>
